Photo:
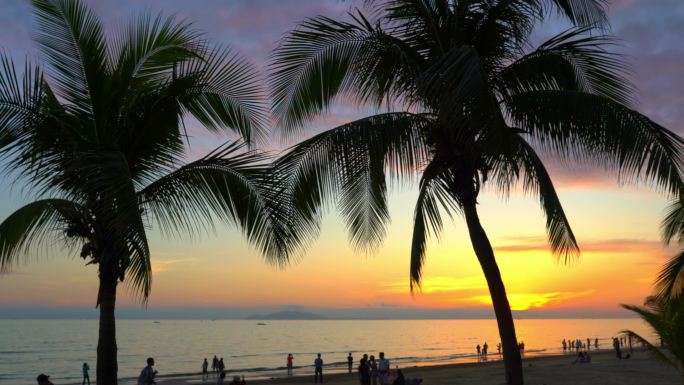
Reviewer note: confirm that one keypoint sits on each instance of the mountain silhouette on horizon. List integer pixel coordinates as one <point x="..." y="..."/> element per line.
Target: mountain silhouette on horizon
<point x="286" y="315"/>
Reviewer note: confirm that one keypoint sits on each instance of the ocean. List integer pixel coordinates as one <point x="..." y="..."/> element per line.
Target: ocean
<point x="59" y="347"/>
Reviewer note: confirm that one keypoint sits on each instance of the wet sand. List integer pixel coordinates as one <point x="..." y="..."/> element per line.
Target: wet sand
<point x="605" y="369"/>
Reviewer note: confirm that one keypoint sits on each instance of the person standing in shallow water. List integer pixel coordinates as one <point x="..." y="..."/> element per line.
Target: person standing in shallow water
<point x="289" y="364"/>
<point x="485" y="347"/>
<point x="205" y="369"/>
<point x="86" y="376"/>
<point x="318" y="369"/>
<point x="350" y="362"/>
<point x="214" y="364"/>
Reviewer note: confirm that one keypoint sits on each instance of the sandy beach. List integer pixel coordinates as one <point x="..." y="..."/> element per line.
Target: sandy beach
<point x="605" y="369"/>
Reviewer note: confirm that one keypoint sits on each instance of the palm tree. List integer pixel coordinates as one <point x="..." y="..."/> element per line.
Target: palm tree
<point x="474" y="107"/>
<point x="100" y="141"/>
<point x="666" y="319"/>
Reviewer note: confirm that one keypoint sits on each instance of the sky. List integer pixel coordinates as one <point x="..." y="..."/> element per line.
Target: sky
<point x="615" y="223"/>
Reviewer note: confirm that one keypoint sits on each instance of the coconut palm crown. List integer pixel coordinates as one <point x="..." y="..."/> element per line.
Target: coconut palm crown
<point x="99" y="141"/>
<point x="469" y="106"/>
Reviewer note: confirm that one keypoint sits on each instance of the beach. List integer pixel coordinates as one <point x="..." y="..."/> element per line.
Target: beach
<point x="605" y="369"/>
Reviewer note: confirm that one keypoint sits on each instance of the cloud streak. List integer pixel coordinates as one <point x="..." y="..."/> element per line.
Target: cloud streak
<point x="526" y="301"/>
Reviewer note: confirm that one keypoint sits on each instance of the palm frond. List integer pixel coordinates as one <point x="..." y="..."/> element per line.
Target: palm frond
<point x="593" y="128"/>
<point x="227" y="184"/>
<point x="672" y="226"/>
<point x="71" y="38"/>
<point x="664" y="317"/>
<point x="20" y="99"/>
<point x="537" y="180"/>
<point x="670" y="281"/>
<point x="224" y="91"/>
<point x="433" y="194"/>
<point x="349" y="160"/>
<point x="40" y="223"/>
<point x="581" y="12"/>
<point x="658" y="353"/>
<point x="149" y="48"/>
<point x="325" y="58"/>
<point x="573" y="60"/>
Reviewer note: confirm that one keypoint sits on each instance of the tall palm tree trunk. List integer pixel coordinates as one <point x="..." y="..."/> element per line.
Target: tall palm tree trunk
<point x="504" y="318"/>
<point x="107" y="366"/>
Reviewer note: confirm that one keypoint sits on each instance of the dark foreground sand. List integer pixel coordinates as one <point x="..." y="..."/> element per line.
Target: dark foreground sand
<point x="605" y="369"/>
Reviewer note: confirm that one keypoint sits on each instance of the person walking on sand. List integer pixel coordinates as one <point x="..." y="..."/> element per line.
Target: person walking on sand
<point x="565" y="345"/>
<point x="289" y="364"/>
<point x="205" y="369"/>
<point x="373" y="365"/>
<point x="478" y="350"/>
<point x="318" y="371"/>
<point x="86" y="376"/>
<point x="498" y="347"/>
<point x="596" y="343"/>
<point x="485" y="347"/>
<point x="148" y="373"/>
<point x="350" y="362"/>
<point x="214" y="364"/>
<point x="221" y="365"/>
<point x="383" y="369"/>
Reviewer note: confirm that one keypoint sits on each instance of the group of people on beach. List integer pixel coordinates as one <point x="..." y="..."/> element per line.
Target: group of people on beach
<point x="370" y="370"/>
<point x="483" y="350"/>
<point x="578" y="344"/>
<point x="218" y="368"/>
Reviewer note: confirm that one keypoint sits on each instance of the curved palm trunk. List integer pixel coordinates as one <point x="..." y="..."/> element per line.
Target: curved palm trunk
<point x="107" y="366"/>
<point x="504" y="318"/>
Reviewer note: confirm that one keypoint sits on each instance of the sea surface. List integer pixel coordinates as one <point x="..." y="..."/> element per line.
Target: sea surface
<point x="59" y="347"/>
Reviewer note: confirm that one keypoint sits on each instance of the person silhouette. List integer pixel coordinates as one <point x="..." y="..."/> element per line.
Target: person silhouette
<point x="148" y="373"/>
<point x="478" y="350"/>
<point x="86" y="376"/>
<point x="383" y="369"/>
<point x="484" y="349"/>
<point x="205" y="368"/>
<point x="318" y="369"/>
<point x="43" y="379"/>
<point x="289" y="364"/>
<point x="373" y="365"/>
<point x="350" y="362"/>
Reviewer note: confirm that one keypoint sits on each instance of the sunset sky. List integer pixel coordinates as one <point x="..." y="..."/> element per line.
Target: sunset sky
<point x="615" y="223"/>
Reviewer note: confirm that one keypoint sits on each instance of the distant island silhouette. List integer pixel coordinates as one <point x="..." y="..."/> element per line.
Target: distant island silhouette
<point x="286" y="315"/>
